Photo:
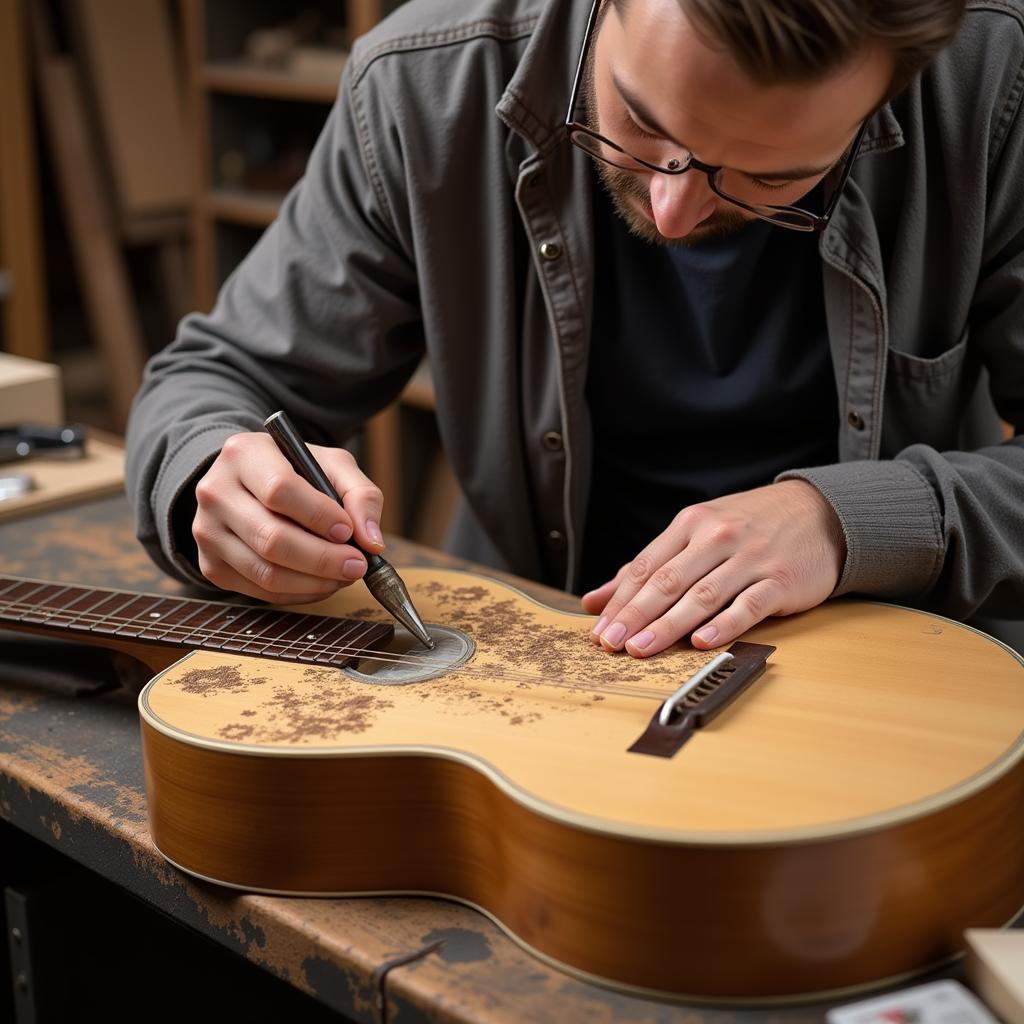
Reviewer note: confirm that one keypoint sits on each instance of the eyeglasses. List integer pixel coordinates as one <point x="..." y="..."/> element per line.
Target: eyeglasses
<point x="734" y="187"/>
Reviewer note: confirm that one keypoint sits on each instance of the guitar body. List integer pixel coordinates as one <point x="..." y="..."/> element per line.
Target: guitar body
<point x="839" y="824"/>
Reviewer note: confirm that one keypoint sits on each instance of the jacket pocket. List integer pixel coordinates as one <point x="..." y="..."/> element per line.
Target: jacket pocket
<point x="926" y="399"/>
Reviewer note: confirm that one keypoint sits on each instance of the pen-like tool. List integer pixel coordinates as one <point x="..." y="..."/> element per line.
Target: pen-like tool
<point x="383" y="582"/>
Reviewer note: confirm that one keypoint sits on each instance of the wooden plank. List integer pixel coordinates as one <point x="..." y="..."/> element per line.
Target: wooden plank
<point x="66" y="481"/>
<point x="437" y="505"/>
<point x="241" y="78"/>
<point x="26" y="327"/>
<point x="197" y="120"/>
<point x="130" y="62"/>
<point x="98" y="257"/>
<point x="382" y="463"/>
<point x="238" y="206"/>
<point x="362" y="16"/>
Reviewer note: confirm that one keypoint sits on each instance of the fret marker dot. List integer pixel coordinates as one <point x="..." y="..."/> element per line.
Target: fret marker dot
<point x="154" y="615"/>
<point x="248" y="632"/>
<point x="311" y="636"/>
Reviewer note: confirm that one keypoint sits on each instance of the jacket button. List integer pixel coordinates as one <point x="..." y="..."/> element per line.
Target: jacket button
<point x="550" y="250"/>
<point x="556" y="538"/>
<point x="855" y="420"/>
<point x="552" y="440"/>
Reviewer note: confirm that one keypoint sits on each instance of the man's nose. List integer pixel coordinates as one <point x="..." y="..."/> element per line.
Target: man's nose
<point x="680" y="202"/>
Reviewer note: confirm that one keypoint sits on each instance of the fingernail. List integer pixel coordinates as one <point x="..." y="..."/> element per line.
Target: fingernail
<point x="707" y="635"/>
<point x="340" y="532"/>
<point x="641" y="640"/>
<point x="614" y="635"/>
<point x="373" y="532"/>
<point x="601" y="623"/>
<point x="353" y="568"/>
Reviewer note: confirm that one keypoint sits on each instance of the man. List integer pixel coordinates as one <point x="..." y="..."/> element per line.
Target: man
<point x="684" y="363"/>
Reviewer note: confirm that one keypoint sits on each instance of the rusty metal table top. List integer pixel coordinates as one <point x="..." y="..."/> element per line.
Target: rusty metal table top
<point x="71" y="776"/>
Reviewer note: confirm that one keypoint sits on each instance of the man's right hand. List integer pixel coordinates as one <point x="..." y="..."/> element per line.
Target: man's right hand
<point x="264" y="531"/>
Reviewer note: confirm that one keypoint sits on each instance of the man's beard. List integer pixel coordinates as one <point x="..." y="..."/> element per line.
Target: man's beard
<point x="622" y="186"/>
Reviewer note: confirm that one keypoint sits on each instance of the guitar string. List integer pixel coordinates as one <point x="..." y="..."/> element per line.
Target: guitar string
<point x="290" y="647"/>
<point x="413" y="659"/>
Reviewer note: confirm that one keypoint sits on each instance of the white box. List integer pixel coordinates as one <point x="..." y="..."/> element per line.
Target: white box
<point x="30" y="391"/>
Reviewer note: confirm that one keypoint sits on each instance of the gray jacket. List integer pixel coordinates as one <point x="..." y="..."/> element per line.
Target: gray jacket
<point x="443" y="212"/>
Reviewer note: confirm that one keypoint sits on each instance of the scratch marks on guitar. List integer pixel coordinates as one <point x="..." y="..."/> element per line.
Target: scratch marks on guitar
<point x="221" y="679"/>
<point x="329" y="704"/>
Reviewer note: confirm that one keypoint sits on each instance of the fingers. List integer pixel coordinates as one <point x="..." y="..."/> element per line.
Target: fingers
<point x="749" y="607"/>
<point x="264" y="531"/>
<point x="656" y="568"/>
<point x="363" y="499"/>
<point x="236" y="567"/>
<point x="723" y="566"/>
<point x="270" y="478"/>
<point x="647" y="589"/>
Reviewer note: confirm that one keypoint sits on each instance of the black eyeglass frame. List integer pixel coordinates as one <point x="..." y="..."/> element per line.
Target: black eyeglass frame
<point x="807" y="220"/>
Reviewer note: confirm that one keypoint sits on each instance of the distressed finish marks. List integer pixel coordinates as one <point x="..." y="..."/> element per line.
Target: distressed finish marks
<point x="839" y="824"/>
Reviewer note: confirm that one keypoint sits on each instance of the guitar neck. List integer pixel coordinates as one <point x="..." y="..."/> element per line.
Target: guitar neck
<point x="119" y="617"/>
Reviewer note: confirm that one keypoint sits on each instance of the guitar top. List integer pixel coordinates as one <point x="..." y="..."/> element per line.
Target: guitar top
<point x="867" y="713"/>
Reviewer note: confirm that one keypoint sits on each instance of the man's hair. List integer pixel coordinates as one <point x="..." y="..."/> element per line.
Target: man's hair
<point x="805" y="40"/>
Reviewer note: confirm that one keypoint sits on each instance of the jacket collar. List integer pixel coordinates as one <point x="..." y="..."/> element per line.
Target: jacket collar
<point x="537" y="96"/>
<point x="883" y="132"/>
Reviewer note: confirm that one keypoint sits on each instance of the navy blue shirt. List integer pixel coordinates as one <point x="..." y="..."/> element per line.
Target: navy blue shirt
<point x="710" y="372"/>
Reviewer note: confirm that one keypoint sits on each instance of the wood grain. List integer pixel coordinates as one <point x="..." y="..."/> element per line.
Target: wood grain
<point x="64" y="481"/>
<point x="842" y="823"/>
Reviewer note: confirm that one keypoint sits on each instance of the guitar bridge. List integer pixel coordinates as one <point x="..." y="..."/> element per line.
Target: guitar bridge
<point x="701" y="698"/>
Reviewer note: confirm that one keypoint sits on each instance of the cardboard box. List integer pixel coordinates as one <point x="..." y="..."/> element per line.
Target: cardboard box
<point x="30" y="391"/>
<point x="995" y="968"/>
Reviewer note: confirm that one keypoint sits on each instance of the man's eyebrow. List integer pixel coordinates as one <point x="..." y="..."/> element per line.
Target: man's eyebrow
<point x="648" y="120"/>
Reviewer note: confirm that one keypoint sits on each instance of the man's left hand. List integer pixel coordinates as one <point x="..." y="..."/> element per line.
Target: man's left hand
<point x="723" y="566"/>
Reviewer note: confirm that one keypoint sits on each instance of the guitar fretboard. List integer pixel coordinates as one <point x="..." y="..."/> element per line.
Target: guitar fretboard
<point x="261" y="632"/>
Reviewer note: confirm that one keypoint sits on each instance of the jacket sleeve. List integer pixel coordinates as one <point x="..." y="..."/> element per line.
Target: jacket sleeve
<point x="321" y="319"/>
<point x="945" y="530"/>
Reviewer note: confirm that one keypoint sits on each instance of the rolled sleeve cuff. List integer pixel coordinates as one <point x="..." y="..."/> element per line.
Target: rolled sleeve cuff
<point x="176" y="480"/>
<point x="892" y="522"/>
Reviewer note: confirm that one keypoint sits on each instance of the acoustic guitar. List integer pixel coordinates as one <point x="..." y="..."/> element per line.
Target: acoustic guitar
<point x="827" y="805"/>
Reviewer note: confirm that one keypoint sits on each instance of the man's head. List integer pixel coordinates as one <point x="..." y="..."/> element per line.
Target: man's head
<point x="774" y="90"/>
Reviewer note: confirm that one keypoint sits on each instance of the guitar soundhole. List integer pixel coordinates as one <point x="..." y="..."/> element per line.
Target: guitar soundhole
<point x="404" y="659"/>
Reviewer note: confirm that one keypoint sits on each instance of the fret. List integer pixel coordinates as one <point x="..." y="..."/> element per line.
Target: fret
<point x="106" y="611"/>
<point x="10" y="585"/>
<point x="373" y="636"/>
<point x="131" y="616"/>
<point x="31" y="613"/>
<point x="244" y="628"/>
<point x="296" y="628"/>
<point x="194" y="637"/>
<point x="163" y="621"/>
<point x="78" y="614"/>
<point x="328" y="640"/>
<point x="225" y="629"/>
<point x="19" y="597"/>
<point x="180" y="629"/>
<point x="311" y="635"/>
<point x="355" y="646"/>
<point x="48" y="604"/>
<point x="270" y="631"/>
